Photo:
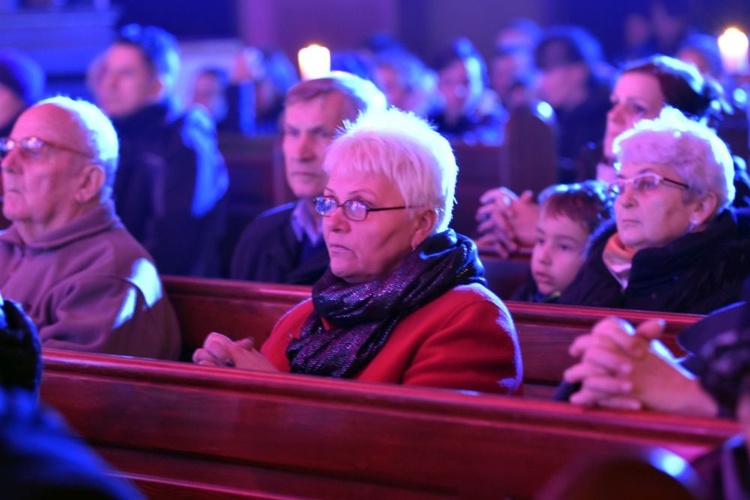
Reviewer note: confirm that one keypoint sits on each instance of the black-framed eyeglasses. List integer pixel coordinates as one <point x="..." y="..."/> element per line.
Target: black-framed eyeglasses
<point x="643" y="182"/>
<point x="354" y="210"/>
<point x="32" y="147"/>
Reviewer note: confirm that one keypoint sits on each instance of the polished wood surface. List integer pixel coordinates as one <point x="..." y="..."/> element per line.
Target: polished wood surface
<point x="246" y="309"/>
<point x="187" y="430"/>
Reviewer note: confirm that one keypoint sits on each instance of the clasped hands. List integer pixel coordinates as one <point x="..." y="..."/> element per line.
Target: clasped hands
<point x="506" y="221"/>
<point x="219" y="350"/>
<point x="628" y="368"/>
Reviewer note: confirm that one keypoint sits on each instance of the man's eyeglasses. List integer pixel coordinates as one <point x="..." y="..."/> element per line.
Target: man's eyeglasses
<point x="32" y="147"/>
<point x="354" y="210"/>
<point x="643" y="182"/>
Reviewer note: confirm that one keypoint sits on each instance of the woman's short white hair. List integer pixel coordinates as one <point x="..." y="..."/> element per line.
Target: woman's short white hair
<point x="98" y="131"/>
<point x="405" y="149"/>
<point x="691" y="149"/>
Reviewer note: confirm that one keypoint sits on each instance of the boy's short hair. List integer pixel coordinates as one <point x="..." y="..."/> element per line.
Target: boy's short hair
<point x="586" y="202"/>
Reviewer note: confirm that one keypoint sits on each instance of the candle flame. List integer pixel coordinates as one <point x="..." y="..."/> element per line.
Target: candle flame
<point x="314" y="61"/>
<point x="733" y="45"/>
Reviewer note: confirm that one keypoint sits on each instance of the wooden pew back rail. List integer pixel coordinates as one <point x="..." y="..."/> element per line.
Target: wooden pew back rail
<point x="175" y="426"/>
<point x="241" y="309"/>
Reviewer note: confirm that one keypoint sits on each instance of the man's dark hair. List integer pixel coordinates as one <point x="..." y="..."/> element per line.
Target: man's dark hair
<point x="159" y="47"/>
<point x="460" y="49"/>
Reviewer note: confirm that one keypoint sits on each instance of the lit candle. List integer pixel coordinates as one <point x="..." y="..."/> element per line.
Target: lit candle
<point x="733" y="46"/>
<point x="314" y="62"/>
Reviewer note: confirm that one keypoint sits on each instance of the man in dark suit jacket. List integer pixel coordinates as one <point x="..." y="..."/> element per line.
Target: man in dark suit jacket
<point x="285" y="244"/>
<point x="171" y="180"/>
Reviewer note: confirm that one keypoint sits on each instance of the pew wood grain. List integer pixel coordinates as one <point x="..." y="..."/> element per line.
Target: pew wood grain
<point x="183" y="429"/>
<point x="545" y="331"/>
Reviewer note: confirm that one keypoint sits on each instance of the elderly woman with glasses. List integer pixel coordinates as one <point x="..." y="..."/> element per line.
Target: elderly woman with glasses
<point x="643" y="89"/>
<point x="404" y="300"/>
<point x="675" y="244"/>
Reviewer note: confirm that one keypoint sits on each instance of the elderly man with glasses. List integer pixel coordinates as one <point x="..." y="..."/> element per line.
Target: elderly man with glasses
<point x="66" y="258"/>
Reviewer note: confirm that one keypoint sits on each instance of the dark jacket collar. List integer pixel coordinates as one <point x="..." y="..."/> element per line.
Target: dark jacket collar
<point x="149" y="117"/>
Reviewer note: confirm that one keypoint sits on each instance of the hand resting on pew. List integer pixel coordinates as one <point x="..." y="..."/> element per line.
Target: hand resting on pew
<point x="507" y="222"/>
<point x="219" y="350"/>
<point x="628" y="368"/>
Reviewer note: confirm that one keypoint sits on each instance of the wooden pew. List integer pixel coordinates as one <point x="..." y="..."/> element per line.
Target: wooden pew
<point x="505" y="276"/>
<point x="238" y="309"/>
<point x="241" y="309"/>
<point x="479" y="169"/>
<point x="526" y="160"/>
<point x="189" y="431"/>
<point x="256" y="183"/>
<point x="545" y="332"/>
<point x="529" y="158"/>
<point x="256" y="172"/>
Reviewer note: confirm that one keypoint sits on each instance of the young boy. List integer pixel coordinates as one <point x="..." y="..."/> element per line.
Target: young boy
<point x="568" y="215"/>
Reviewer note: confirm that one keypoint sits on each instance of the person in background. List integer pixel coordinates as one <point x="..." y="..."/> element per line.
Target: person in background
<point x="404" y="300"/>
<point x="643" y="89"/>
<point x="468" y="111"/>
<point x="356" y="62"/>
<point x="637" y="35"/>
<point x="725" y="376"/>
<point x="512" y="70"/>
<point x="671" y="23"/>
<point x="568" y="215"/>
<point x="675" y="244"/>
<point x="573" y="80"/>
<point x="172" y="180"/>
<point x="39" y="456"/>
<point x="702" y="51"/>
<point x="209" y="89"/>
<point x="230" y="104"/>
<point x="83" y="279"/>
<point x="272" y="74"/>
<point x="20" y="349"/>
<point x="285" y="244"/>
<point x="42" y="459"/>
<point x="730" y="119"/>
<point x="22" y="83"/>
<point x="405" y="80"/>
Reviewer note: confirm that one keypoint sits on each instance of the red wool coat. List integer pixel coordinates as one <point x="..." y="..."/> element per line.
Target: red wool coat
<point x="464" y="339"/>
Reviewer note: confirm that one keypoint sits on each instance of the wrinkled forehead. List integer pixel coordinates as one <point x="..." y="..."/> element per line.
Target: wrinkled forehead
<point x="634" y="168"/>
<point x="326" y="111"/>
<point x="51" y="123"/>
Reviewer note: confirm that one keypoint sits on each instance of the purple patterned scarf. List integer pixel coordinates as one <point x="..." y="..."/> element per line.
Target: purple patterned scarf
<point x="362" y="315"/>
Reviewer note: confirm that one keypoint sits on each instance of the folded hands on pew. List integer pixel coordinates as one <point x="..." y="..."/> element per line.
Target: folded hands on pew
<point x="507" y="222"/>
<point x="626" y="368"/>
<point x="219" y="350"/>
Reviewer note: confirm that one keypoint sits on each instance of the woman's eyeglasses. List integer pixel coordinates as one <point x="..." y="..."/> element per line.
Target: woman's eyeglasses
<point x="32" y="147"/>
<point x="643" y="182"/>
<point x="354" y="210"/>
